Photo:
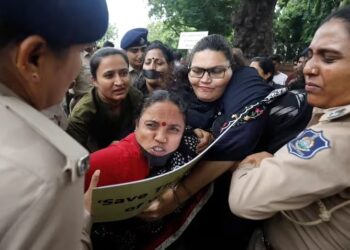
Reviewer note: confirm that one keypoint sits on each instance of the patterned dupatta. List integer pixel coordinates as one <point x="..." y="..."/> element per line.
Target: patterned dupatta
<point x="253" y="111"/>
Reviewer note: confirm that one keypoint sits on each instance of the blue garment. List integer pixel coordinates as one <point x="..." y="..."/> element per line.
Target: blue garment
<point x="246" y="87"/>
<point x="281" y="121"/>
<point x="134" y="38"/>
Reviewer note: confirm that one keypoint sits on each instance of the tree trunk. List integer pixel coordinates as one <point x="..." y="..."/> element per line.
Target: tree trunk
<point x="253" y="25"/>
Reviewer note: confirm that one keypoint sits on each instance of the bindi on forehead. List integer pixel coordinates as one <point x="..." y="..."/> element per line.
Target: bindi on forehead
<point x="163" y="124"/>
<point x="153" y="58"/>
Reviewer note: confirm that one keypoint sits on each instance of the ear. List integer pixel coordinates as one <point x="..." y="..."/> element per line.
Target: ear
<point x="29" y="54"/>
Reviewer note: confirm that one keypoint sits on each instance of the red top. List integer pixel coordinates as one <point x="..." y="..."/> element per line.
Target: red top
<point x="124" y="162"/>
<point x="119" y="162"/>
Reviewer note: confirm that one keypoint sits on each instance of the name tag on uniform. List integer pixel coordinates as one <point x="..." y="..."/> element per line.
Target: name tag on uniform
<point x="307" y="144"/>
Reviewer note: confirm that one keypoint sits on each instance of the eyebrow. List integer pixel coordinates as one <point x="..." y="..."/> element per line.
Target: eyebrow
<point x="138" y="47"/>
<point x="326" y="50"/>
<point x="175" y="125"/>
<point x="168" y="124"/>
<point x="216" y="66"/>
<point x="114" y="70"/>
<point x="155" y="59"/>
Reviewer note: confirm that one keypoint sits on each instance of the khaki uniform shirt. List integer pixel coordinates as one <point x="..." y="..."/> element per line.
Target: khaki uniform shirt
<point x="134" y="75"/>
<point x="41" y="184"/>
<point x="57" y="115"/>
<point x="304" y="189"/>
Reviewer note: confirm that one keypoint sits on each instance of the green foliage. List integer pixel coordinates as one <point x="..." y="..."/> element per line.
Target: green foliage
<point x="111" y="35"/>
<point x="202" y="15"/>
<point x="296" y="22"/>
<point x="345" y="2"/>
<point x="159" y="31"/>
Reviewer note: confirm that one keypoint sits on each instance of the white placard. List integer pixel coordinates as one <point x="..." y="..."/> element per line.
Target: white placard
<point x="189" y="39"/>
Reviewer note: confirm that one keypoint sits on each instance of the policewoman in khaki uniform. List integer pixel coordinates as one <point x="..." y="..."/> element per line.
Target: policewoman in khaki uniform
<point x="304" y="189"/>
<point x="41" y="167"/>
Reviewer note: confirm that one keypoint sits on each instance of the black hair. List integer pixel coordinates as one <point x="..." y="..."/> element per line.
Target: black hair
<point x="108" y="44"/>
<point x="161" y="95"/>
<point x="214" y="42"/>
<point x="276" y="57"/>
<point x="238" y="56"/>
<point x="167" y="52"/>
<point x="303" y="53"/>
<point x="177" y="55"/>
<point x="102" y="53"/>
<point x="343" y="14"/>
<point x="266" y="65"/>
<point x="56" y="22"/>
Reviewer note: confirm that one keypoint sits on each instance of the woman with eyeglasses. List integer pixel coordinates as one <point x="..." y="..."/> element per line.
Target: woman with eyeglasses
<point x="221" y="89"/>
<point x="158" y="73"/>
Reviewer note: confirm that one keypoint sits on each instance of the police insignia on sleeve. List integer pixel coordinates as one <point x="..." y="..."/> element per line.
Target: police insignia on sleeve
<point x="307" y="144"/>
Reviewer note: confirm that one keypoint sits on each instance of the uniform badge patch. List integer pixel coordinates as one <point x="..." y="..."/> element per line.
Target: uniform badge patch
<point x="142" y="41"/>
<point x="307" y="144"/>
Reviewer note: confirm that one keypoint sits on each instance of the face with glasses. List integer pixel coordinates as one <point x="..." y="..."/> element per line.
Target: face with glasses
<point x="209" y="74"/>
<point x="135" y="56"/>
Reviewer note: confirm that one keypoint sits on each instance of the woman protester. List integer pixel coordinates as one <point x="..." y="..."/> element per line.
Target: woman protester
<point x="221" y="90"/>
<point x="303" y="190"/>
<point x="158" y="145"/>
<point x="157" y="69"/>
<point x="107" y="112"/>
<point x="41" y="166"/>
<point x="265" y="68"/>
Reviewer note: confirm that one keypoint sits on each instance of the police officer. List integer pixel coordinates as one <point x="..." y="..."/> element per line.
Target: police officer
<point x="134" y="42"/>
<point x="41" y="167"/>
<point x="304" y="190"/>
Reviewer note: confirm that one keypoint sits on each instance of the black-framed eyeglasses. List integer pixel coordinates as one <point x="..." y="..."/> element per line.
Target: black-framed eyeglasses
<point x="217" y="72"/>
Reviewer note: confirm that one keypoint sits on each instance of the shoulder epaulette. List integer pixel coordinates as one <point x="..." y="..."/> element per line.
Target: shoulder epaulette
<point x="335" y="113"/>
